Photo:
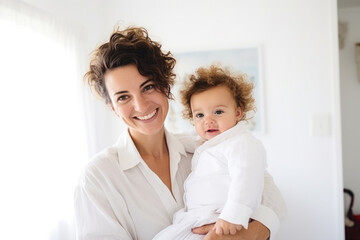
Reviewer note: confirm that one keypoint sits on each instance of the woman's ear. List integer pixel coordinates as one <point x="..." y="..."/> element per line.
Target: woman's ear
<point x="111" y="106"/>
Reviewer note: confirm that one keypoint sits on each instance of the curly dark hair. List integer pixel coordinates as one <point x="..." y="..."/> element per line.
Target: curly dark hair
<point x="131" y="46"/>
<point x="206" y="78"/>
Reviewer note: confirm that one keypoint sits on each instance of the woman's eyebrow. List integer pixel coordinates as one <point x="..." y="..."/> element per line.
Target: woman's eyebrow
<point x="141" y="85"/>
<point x="144" y="83"/>
<point x="120" y="92"/>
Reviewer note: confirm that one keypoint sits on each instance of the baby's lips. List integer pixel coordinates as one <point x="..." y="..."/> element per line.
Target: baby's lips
<point x="211" y="130"/>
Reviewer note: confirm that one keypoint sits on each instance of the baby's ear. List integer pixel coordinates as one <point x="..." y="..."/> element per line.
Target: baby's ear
<point x="239" y="114"/>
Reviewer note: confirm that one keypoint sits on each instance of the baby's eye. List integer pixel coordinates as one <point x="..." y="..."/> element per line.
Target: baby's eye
<point x="199" y="115"/>
<point x="218" y="112"/>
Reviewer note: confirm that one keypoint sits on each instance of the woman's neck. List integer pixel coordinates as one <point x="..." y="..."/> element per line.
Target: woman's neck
<point x="150" y="145"/>
<point x="154" y="151"/>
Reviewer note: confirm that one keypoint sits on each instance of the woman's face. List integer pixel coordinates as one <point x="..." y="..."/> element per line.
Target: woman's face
<point x="134" y="98"/>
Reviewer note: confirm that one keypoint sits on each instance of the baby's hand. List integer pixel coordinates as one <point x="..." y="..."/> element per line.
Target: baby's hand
<point x="224" y="227"/>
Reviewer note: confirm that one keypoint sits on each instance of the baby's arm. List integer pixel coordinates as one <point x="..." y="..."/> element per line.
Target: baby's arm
<point x="246" y="164"/>
<point x="224" y="227"/>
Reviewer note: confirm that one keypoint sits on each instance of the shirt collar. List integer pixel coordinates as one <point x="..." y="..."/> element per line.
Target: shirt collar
<point x="174" y="143"/>
<point x="234" y="131"/>
<point x="176" y="150"/>
<point x="129" y="156"/>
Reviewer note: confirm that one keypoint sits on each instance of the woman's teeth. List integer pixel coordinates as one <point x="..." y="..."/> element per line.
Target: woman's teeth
<point x="146" y="117"/>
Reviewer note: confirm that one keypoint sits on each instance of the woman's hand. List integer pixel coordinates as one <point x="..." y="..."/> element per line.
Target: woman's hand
<point x="255" y="231"/>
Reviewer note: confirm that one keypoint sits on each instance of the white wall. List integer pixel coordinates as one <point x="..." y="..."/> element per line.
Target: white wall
<point x="350" y="100"/>
<point x="300" y="71"/>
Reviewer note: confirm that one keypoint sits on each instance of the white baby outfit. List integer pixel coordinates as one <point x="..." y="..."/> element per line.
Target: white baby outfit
<point x="226" y="182"/>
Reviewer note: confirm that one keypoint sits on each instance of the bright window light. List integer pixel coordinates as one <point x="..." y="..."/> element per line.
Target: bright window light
<point x="42" y="132"/>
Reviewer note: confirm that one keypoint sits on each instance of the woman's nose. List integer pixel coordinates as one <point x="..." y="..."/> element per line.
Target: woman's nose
<point x="140" y="103"/>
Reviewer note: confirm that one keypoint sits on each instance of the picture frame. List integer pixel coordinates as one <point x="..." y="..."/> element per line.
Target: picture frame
<point x="242" y="60"/>
<point x="357" y="53"/>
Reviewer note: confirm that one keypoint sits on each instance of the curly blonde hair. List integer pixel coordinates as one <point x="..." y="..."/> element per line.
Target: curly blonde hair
<point x="206" y="78"/>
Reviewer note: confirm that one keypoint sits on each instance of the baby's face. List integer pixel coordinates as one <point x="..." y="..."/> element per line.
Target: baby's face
<point x="214" y="111"/>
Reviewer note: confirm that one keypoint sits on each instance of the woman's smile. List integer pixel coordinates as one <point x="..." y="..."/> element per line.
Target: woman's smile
<point x="148" y="116"/>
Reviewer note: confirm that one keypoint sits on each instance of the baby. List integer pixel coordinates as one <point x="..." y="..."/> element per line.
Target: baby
<point x="228" y="165"/>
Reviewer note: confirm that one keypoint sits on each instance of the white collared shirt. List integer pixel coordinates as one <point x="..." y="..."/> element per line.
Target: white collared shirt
<point x="119" y="198"/>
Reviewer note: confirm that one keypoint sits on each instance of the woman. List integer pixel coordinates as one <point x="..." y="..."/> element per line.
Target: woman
<point x="131" y="190"/>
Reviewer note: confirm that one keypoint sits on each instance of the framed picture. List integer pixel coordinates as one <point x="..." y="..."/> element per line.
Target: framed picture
<point x="239" y="61"/>
<point x="357" y="52"/>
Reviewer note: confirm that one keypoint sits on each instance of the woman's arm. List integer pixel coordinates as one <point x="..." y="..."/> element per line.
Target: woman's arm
<point x="273" y="208"/>
<point x="94" y="215"/>
<point x="256" y="231"/>
<point x="266" y="217"/>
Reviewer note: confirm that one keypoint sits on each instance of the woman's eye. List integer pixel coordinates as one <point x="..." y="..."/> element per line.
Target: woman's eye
<point x="218" y="112"/>
<point x="149" y="87"/>
<point x="122" y="98"/>
<point x="199" y="115"/>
